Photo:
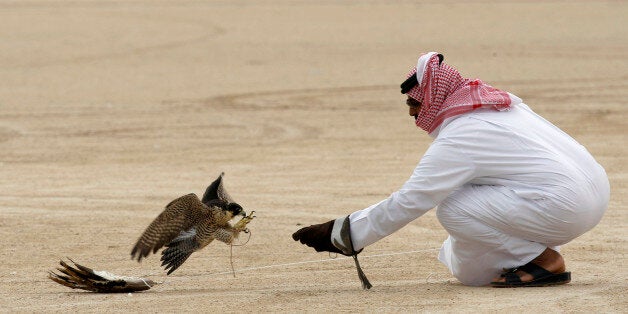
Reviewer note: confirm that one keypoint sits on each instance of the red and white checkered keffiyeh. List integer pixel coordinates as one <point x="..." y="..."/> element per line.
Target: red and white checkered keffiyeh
<point x="444" y="93"/>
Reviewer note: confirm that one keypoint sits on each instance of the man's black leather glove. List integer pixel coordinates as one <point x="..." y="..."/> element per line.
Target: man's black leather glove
<point x="332" y="236"/>
<point x="317" y="237"/>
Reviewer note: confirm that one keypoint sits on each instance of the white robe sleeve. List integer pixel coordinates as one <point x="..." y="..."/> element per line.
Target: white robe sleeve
<point x="443" y="168"/>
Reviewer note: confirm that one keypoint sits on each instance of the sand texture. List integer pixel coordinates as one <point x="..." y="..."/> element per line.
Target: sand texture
<point x="111" y="109"/>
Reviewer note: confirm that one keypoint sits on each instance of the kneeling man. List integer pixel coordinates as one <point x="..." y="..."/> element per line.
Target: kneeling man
<point x="510" y="187"/>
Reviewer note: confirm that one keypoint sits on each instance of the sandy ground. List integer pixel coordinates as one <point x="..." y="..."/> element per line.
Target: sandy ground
<point x="109" y="110"/>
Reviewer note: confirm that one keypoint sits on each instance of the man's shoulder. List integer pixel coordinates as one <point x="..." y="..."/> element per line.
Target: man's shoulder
<point x="490" y="117"/>
<point x="481" y="123"/>
<point x="463" y="123"/>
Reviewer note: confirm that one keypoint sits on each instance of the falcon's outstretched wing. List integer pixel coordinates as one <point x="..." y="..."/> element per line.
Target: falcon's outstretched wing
<point x="180" y="215"/>
<point x="217" y="191"/>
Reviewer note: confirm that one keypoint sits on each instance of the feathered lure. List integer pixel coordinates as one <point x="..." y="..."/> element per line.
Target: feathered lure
<point x="81" y="277"/>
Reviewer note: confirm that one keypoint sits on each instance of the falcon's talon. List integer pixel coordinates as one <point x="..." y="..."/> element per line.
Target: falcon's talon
<point x="241" y="224"/>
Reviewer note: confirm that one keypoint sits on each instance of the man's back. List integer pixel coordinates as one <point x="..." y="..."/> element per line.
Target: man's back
<point x="520" y="149"/>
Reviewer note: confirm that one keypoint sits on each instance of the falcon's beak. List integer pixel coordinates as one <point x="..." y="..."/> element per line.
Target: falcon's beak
<point x="242" y="213"/>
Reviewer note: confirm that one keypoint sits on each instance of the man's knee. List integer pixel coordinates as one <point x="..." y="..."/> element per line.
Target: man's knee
<point x="454" y="208"/>
<point x="449" y="217"/>
<point x="443" y="214"/>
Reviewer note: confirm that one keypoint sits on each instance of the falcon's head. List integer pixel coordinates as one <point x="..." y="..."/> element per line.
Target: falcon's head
<point x="231" y="209"/>
<point x="235" y="209"/>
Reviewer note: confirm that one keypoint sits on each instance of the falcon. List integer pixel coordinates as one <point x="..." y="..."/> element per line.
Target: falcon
<point x="189" y="224"/>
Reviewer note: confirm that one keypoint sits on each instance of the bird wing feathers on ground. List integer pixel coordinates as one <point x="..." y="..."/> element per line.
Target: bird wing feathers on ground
<point x="85" y="278"/>
<point x="179" y="215"/>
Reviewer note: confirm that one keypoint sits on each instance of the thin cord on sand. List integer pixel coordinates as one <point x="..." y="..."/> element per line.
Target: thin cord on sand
<point x="144" y="281"/>
<point x="317" y="261"/>
<point x="231" y="251"/>
<point x="233" y="271"/>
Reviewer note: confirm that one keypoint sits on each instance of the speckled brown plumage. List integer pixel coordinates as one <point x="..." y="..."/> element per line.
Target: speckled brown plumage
<point x="188" y="224"/>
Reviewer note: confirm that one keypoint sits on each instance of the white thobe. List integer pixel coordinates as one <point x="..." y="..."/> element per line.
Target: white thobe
<point x="507" y="185"/>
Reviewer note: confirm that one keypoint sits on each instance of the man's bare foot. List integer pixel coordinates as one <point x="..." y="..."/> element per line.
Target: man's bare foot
<point x="550" y="260"/>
